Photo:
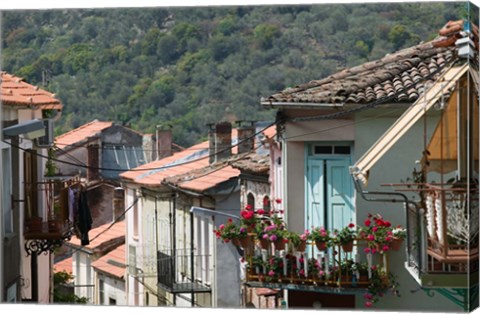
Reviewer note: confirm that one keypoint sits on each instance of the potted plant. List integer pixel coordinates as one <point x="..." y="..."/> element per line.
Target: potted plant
<point x="298" y="241"/>
<point x="277" y="234"/>
<point x="321" y="237"/>
<point x="378" y="233"/>
<point x="230" y="232"/>
<point x="380" y="282"/>
<point x="399" y="234"/>
<point x="346" y="236"/>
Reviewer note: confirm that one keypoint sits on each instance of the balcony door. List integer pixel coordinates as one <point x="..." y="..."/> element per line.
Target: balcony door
<point x="329" y="190"/>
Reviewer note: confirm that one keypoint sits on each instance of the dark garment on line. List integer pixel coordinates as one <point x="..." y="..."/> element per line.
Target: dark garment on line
<point x="84" y="218"/>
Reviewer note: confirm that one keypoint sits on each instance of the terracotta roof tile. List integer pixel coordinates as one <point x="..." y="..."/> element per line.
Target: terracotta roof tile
<point x="101" y="237"/>
<point x="391" y="76"/>
<point x="64" y="265"/>
<point x="81" y="133"/>
<point x="14" y="91"/>
<point x="112" y="262"/>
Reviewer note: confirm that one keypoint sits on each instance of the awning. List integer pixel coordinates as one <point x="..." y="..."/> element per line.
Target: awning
<point x="362" y="167"/>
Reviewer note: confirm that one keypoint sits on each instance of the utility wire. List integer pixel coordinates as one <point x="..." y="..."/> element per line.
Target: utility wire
<point x="140" y="169"/>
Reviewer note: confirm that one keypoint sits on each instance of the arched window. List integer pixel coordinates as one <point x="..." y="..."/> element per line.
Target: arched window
<point x="251" y="200"/>
<point x="266" y="204"/>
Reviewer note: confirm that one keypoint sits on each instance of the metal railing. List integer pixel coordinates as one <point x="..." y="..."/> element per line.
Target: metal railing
<point x="184" y="270"/>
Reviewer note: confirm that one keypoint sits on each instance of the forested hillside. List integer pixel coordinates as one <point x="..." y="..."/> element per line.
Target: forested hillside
<point x="193" y="66"/>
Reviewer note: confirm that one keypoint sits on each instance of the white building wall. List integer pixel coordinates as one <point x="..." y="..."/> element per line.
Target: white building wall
<point x="83" y="275"/>
<point x="114" y="288"/>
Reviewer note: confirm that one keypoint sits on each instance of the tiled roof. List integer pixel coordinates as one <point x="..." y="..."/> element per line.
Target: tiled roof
<point x="64" y="265"/>
<point x="155" y="172"/>
<point x="112" y="262"/>
<point x="102" y="239"/>
<point x="253" y="163"/>
<point x="391" y="76"/>
<point x="14" y="91"/>
<point x="81" y="133"/>
<point x="202" y="179"/>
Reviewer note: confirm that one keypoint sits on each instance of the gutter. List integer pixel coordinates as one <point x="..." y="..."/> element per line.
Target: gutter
<point x="309" y="105"/>
<point x="404" y="199"/>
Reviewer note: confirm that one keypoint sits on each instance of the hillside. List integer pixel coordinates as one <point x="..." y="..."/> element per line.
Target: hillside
<point x="191" y="66"/>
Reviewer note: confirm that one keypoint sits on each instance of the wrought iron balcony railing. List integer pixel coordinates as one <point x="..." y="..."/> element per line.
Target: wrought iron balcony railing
<point x="180" y="271"/>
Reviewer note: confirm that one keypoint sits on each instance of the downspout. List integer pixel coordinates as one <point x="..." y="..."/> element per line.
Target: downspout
<point x="404" y="199"/>
<point x="192" y="264"/>
<point x="173" y="214"/>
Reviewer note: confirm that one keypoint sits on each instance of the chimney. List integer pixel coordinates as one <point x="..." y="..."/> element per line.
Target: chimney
<point x="149" y="144"/>
<point x="246" y="137"/>
<point x="164" y="142"/>
<point x="118" y="203"/>
<point x="93" y="158"/>
<point x="211" y="143"/>
<point x="223" y="141"/>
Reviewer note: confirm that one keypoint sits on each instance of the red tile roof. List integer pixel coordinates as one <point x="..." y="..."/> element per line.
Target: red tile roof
<point x="112" y="262"/>
<point x="14" y="91"/>
<point x="253" y="163"/>
<point x="102" y="237"/>
<point x="64" y="265"/>
<point x="81" y="133"/>
<point x="392" y="76"/>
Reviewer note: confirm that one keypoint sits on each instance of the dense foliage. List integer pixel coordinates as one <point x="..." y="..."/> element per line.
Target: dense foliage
<point x="191" y="66"/>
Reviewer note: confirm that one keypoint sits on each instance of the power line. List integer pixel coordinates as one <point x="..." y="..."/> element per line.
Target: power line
<point x="172" y="165"/>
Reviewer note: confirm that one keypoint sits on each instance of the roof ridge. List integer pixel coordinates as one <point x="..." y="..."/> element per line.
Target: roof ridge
<point x="82" y="127"/>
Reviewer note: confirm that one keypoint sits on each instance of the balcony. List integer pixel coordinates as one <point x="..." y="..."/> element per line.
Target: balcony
<point x="330" y="270"/>
<point x="175" y="271"/>
<point x="44" y="234"/>
<point x="443" y="250"/>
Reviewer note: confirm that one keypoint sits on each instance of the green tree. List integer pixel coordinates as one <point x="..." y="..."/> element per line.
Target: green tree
<point x="60" y="292"/>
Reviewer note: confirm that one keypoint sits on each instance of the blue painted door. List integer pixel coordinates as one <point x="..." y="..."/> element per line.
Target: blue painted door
<point x="315" y="204"/>
<point x="339" y="194"/>
<point x="329" y="193"/>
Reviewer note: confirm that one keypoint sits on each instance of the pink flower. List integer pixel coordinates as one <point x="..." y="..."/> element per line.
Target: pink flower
<point x="321" y="273"/>
<point x="367" y="250"/>
<point x="273" y="238"/>
<point x="367" y="222"/>
<point x="278" y="201"/>
<point x="388" y="238"/>
<point x="301" y="260"/>
<point x="301" y="272"/>
<point x="271" y="273"/>
<point x="368" y="296"/>
<point x="374" y="250"/>
<point x="374" y="267"/>
<point x="221" y="227"/>
<point x="351" y="225"/>
<point x="375" y="229"/>
<point x="260" y="212"/>
<point x="248" y="207"/>
<point x="368" y="303"/>
<point x="265" y="236"/>
<point x="385" y="248"/>
<point x="371" y="237"/>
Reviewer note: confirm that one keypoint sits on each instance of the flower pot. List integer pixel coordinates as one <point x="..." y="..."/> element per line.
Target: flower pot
<point x="321" y="246"/>
<point x="347" y="247"/>
<point x="264" y="244"/>
<point x="34" y="224"/>
<point x="279" y="244"/>
<point x="302" y="246"/>
<point x="236" y="241"/>
<point x="396" y="244"/>
<point x="245" y="242"/>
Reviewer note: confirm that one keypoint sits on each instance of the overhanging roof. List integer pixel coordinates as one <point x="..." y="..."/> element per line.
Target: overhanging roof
<point x="444" y="83"/>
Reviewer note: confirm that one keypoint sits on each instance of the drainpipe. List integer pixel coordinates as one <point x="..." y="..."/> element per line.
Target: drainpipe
<point x="192" y="264"/>
<point x="404" y="199"/>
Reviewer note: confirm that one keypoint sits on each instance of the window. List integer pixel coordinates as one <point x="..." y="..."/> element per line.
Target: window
<point x="331" y="150"/>
<point x="251" y="200"/>
<point x="135" y="217"/>
<point x="30" y="180"/>
<point x="101" y="291"/>
<point x="266" y="204"/>
<point x="7" y="191"/>
<point x="112" y="301"/>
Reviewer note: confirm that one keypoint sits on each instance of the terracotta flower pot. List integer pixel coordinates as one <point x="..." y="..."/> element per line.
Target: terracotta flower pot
<point x="279" y="244"/>
<point x="396" y="244"/>
<point x="347" y="247"/>
<point x="245" y="242"/>
<point x="264" y="244"/>
<point x="34" y="224"/>
<point x="321" y="246"/>
<point x="236" y="241"/>
<point x="302" y="246"/>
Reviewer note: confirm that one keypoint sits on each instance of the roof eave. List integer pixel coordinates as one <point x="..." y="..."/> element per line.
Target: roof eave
<point x="304" y="105"/>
